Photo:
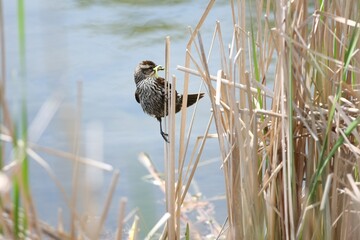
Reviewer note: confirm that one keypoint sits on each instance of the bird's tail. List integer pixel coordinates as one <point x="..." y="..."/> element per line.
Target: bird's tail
<point x="192" y="98"/>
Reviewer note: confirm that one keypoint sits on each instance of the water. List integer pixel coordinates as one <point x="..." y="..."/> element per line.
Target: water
<point x="99" y="43"/>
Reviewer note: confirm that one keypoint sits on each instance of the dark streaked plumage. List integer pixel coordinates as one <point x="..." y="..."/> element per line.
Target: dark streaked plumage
<point x="150" y="92"/>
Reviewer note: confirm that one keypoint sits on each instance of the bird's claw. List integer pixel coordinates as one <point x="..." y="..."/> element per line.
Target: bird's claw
<point x="165" y="136"/>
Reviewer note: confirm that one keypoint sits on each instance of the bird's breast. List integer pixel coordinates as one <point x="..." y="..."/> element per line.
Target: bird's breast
<point x="152" y="98"/>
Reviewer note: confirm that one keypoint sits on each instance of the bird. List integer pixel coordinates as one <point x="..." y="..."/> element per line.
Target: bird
<point x="151" y="95"/>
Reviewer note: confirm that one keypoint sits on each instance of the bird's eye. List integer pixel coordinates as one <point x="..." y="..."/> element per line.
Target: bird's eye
<point x="147" y="70"/>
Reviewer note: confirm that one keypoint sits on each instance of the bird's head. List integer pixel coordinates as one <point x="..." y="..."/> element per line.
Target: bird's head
<point x="146" y="69"/>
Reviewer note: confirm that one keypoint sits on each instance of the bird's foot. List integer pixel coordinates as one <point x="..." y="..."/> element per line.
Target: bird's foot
<point x="165" y="136"/>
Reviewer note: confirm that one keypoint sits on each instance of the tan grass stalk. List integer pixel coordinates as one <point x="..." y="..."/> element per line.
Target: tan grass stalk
<point x="224" y="81"/>
<point x="181" y="163"/>
<point x="3" y="53"/>
<point x="59" y="153"/>
<point x="44" y="117"/>
<point x="325" y="197"/>
<point x="186" y="81"/>
<point x="60" y="224"/>
<point x="37" y="158"/>
<point x="120" y="227"/>
<point x="161" y="222"/>
<point x="194" y="166"/>
<point x="169" y="153"/>
<point x="75" y="176"/>
<point x="70" y="156"/>
<point x="146" y="161"/>
<point x="133" y="232"/>
<point x="107" y="203"/>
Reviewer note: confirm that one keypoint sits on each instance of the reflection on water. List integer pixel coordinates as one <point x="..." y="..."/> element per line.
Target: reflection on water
<point x="99" y="43"/>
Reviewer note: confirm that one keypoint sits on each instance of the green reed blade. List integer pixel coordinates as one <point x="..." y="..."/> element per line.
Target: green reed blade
<point x="332" y="152"/>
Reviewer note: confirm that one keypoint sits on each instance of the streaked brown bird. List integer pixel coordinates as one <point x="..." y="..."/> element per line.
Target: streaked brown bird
<point x="150" y="92"/>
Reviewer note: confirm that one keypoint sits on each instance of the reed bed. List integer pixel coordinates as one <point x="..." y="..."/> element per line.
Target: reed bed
<point x="284" y="99"/>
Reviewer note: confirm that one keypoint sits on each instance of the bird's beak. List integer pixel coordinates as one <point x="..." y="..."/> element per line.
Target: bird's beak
<point x="158" y="68"/>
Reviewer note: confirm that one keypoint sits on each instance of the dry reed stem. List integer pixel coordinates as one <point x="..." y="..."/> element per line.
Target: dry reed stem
<point x="120" y="227"/>
<point x="59" y="153"/>
<point x="133" y="232"/>
<point x="186" y="81"/>
<point x="60" y="224"/>
<point x="157" y="226"/>
<point x="169" y="153"/>
<point x="107" y="203"/>
<point x="147" y="163"/>
<point x="75" y="177"/>
<point x="69" y="156"/>
<point x="37" y="158"/>
<point x="194" y="166"/>
<point x="253" y="90"/>
<point x="3" y="53"/>
<point x="44" y="116"/>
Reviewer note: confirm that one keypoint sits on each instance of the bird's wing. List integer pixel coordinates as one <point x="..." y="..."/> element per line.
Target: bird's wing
<point x="178" y="102"/>
<point x="137" y="96"/>
<point x="161" y="82"/>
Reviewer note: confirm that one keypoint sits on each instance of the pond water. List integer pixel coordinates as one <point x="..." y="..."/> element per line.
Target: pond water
<point x="99" y="43"/>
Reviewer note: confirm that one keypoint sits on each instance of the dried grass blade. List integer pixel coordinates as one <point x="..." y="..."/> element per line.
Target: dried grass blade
<point x="325" y="197"/>
<point x="201" y="148"/>
<point x="161" y="222"/>
<point x="72" y="157"/>
<point x="133" y="232"/>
